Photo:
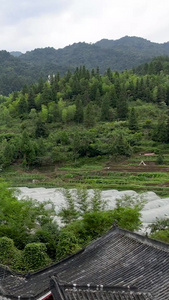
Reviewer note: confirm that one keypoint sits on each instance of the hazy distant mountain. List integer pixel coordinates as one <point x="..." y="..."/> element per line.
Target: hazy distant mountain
<point x="125" y="53"/>
<point x="76" y="55"/>
<point x="136" y="45"/>
<point x="121" y="54"/>
<point x="16" y="53"/>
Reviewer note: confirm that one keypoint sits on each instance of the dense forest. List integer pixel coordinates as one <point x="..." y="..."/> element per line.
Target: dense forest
<point x="125" y="53"/>
<point x="84" y="114"/>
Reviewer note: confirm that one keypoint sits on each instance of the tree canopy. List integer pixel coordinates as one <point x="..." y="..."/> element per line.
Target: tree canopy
<point x="83" y="114"/>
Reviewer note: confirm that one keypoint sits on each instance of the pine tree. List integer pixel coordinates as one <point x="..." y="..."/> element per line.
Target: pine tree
<point x="79" y="110"/>
<point x="122" y="106"/>
<point x="89" y="115"/>
<point x="132" y="123"/>
<point x="40" y="130"/>
<point x="46" y="94"/>
<point x="22" y="106"/>
<point x="160" y="133"/>
<point x="105" y="108"/>
<point x="31" y="100"/>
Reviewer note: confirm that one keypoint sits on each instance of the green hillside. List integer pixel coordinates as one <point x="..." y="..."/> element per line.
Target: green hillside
<point x="86" y="128"/>
<point x="81" y="130"/>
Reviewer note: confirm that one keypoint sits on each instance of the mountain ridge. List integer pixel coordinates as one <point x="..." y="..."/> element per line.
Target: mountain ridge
<point x="118" y="55"/>
<point x="104" y="53"/>
<point x="115" y="41"/>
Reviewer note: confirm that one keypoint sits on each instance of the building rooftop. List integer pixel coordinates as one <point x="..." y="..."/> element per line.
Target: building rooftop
<point x="88" y="292"/>
<point x="119" y="258"/>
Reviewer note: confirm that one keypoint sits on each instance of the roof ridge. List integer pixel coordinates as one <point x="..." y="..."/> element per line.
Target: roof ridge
<point x="144" y="239"/>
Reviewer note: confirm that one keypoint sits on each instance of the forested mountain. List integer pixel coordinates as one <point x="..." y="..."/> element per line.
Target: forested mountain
<point x="16" y="53"/>
<point x="118" y="55"/>
<point x="82" y="54"/>
<point x="158" y="65"/>
<point x="125" y="53"/>
<point x="135" y="45"/>
<point x="14" y="73"/>
<point x="84" y="114"/>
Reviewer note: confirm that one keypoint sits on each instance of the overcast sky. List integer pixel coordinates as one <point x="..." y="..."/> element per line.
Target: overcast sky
<point x="29" y="24"/>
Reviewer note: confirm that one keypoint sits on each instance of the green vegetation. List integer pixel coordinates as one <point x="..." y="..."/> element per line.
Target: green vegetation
<point x="19" y="218"/>
<point x="81" y="130"/>
<point x="23" y="222"/>
<point x="160" y="230"/>
<point x="85" y="219"/>
<point x="35" y="256"/>
<point x="30" y="238"/>
<point x="20" y="69"/>
<point x="84" y="128"/>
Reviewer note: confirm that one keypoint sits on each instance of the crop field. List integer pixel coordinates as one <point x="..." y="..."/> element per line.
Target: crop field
<point x="124" y="175"/>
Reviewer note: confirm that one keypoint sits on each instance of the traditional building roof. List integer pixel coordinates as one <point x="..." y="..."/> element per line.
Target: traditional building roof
<point x="119" y="258"/>
<point x="4" y="272"/>
<point x="99" y="292"/>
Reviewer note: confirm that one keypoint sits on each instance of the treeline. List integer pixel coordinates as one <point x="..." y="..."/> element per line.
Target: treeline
<point x="125" y="53"/>
<point x="155" y="67"/>
<point x="15" y="72"/>
<point x="83" y="114"/>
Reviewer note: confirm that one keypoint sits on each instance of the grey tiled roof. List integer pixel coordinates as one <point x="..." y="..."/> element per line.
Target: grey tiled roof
<point x="105" y="295"/>
<point x="70" y="292"/>
<point x="119" y="258"/>
<point x="4" y="272"/>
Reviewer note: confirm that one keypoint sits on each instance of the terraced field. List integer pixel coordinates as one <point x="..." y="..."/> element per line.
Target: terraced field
<point x="124" y="175"/>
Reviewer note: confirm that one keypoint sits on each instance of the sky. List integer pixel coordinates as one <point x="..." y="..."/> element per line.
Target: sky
<point x="29" y="24"/>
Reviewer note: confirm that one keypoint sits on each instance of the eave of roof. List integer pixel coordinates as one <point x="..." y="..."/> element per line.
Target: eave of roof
<point x="99" y="292"/>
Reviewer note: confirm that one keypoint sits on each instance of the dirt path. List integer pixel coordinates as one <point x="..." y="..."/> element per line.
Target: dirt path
<point x="136" y="169"/>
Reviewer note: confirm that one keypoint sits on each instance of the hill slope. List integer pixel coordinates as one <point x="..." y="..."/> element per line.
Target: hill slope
<point x="136" y="45"/>
<point x="121" y="54"/>
<point x="85" y="119"/>
<point x="125" y="53"/>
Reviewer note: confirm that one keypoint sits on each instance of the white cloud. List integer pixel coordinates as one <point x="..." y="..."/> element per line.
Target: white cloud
<point x="26" y="25"/>
<point x="13" y="12"/>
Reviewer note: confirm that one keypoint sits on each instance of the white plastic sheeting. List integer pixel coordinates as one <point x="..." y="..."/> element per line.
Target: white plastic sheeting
<point x="155" y="206"/>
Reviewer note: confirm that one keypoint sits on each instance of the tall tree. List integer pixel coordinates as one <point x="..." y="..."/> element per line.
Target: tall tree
<point x="79" y="110"/>
<point x="40" y="129"/>
<point x="105" y="108"/>
<point x="160" y="132"/>
<point x="46" y="94"/>
<point x="89" y="115"/>
<point x="122" y="106"/>
<point x="132" y="121"/>
<point x="31" y="100"/>
<point x="22" y="106"/>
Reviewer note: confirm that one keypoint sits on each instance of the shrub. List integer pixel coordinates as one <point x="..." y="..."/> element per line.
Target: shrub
<point x="35" y="257"/>
<point x="67" y="244"/>
<point x="9" y="254"/>
<point x="160" y="160"/>
<point x="6" y="250"/>
<point x="162" y="235"/>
